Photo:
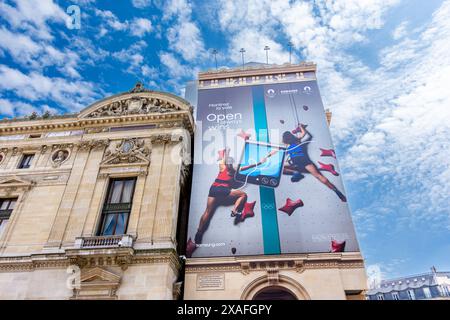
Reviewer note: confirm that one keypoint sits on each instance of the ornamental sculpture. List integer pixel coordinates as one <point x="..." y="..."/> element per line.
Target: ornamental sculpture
<point x="134" y="105"/>
<point x="59" y="157"/>
<point x="127" y="151"/>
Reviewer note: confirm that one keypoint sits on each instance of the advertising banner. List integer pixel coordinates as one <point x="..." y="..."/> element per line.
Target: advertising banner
<point x="266" y="179"/>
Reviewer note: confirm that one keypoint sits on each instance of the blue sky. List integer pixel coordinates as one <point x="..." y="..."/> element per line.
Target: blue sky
<point x="383" y="69"/>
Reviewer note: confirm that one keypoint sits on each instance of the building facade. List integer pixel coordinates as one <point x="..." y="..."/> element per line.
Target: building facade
<point x="433" y="285"/>
<point x="91" y="204"/>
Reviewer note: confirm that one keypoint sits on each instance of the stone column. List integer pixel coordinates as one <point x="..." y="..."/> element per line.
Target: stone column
<point x="136" y="206"/>
<point x="70" y="193"/>
<point x="92" y="219"/>
<point x="150" y="196"/>
<point x="84" y="196"/>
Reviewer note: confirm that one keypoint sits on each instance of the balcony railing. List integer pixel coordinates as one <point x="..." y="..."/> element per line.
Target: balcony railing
<point x="104" y="242"/>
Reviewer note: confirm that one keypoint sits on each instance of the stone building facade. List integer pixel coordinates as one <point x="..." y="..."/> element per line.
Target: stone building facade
<point x="90" y="203"/>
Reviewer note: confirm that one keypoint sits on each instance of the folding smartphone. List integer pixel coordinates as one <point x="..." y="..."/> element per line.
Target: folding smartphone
<point x="261" y="164"/>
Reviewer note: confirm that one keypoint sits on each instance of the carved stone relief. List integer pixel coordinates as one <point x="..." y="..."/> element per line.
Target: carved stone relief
<point x="93" y="144"/>
<point x="127" y="151"/>
<point x="134" y="105"/>
<point x="59" y="157"/>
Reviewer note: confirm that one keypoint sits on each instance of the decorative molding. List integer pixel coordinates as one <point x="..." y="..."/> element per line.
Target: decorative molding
<point x="162" y="120"/>
<point x="88" y="145"/>
<point x="134" y="105"/>
<point x="245" y="268"/>
<point x="298" y="265"/>
<point x="62" y="146"/>
<point x="131" y="151"/>
<point x="96" y="130"/>
<point x="273" y="276"/>
<point x="15" y="185"/>
<point x="166" y="138"/>
<point x="59" y="156"/>
<point x="90" y="258"/>
<point x="97" y="283"/>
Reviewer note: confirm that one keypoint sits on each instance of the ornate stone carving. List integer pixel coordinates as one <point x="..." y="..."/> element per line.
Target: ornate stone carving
<point x="245" y="268"/>
<point x="96" y="130"/>
<point x="97" y="283"/>
<point x="299" y="266"/>
<point x="166" y="138"/>
<point x="59" y="157"/>
<point x="14" y="185"/>
<point x="127" y="151"/>
<point x="2" y="156"/>
<point x="93" y="144"/>
<point x="273" y="276"/>
<point x="134" y="105"/>
<point x="62" y="146"/>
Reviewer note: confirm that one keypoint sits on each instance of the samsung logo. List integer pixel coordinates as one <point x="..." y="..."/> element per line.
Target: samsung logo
<point x="289" y="91"/>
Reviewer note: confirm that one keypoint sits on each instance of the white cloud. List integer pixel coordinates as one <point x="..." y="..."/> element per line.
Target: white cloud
<point x="254" y="43"/>
<point x="12" y="108"/>
<point x="400" y="31"/>
<point x="137" y="27"/>
<point x="71" y="95"/>
<point x="133" y="56"/>
<point x="403" y="137"/>
<point x="140" y="26"/>
<point x="111" y="20"/>
<point x="174" y="67"/>
<point x="140" y="4"/>
<point x="33" y="16"/>
<point x="38" y="55"/>
<point x="184" y="35"/>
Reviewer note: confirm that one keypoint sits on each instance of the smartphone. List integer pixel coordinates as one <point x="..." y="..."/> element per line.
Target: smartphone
<point x="257" y="167"/>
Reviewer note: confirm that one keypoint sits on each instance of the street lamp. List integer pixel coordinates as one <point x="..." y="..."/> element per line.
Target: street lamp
<point x="214" y="52"/>
<point x="266" y="48"/>
<point x="242" y="53"/>
<point x="290" y="44"/>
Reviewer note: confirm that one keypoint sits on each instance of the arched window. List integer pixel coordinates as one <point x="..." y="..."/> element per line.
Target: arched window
<point x="274" y="293"/>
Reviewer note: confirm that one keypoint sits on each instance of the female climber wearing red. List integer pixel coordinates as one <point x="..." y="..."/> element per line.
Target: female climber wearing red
<point x="221" y="193"/>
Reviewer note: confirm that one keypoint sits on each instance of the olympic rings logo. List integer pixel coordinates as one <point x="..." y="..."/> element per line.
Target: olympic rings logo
<point x="267" y="206"/>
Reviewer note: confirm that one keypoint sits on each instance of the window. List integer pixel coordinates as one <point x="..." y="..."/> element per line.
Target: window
<point x="427" y="292"/>
<point x="117" y="207"/>
<point x="411" y="294"/>
<point x="395" y="296"/>
<point x="6" y="208"/>
<point x="26" y="161"/>
<point x="380" y="297"/>
<point x="443" y="290"/>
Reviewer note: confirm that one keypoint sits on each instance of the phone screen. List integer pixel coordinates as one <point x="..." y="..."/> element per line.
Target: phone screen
<point x="261" y="164"/>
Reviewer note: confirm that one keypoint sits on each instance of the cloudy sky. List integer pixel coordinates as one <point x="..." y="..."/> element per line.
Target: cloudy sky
<point x="383" y="70"/>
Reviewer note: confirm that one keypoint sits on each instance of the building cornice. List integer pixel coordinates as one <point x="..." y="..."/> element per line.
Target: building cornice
<point x="163" y="120"/>
<point x="256" y="71"/>
<point x="299" y="263"/>
<point x="70" y="257"/>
